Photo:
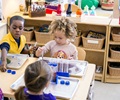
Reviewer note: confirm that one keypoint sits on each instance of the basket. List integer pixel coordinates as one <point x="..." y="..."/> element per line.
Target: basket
<point x="114" y="71"/>
<point x="115" y="54"/>
<point x="43" y="37"/>
<point x="29" y="35"/>
<point x="37" y="13"/>
<point x="116" y="34"/>
<point x="92" y="43"/>
<point x="77" y="41"/>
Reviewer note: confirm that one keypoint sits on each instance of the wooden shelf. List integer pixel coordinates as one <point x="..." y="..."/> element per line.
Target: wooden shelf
<point x="95" y="50"/>
<point x="108" y="78"/>
<point x="112" y="79"/>
<point x="98" y="76"/>
<point x="33" y="42"/>
<point x="114" y="43"/>
<point x="113" y="60"/>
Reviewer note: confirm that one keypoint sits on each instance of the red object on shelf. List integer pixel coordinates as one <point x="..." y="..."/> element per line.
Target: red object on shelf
<point x="49" y="11"/>
<point x="59" y="10"/>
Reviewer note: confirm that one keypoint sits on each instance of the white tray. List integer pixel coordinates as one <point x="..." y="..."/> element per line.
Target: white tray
<point x="17" y="60"/>
<point x="58" y="90"/>
<point x="76" y="68"/>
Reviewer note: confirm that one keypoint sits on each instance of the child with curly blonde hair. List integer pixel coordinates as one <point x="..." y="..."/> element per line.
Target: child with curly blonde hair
<point x="64" y="30"/>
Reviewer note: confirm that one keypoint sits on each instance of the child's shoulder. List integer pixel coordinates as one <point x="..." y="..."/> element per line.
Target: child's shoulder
<point x="50" y="96"/>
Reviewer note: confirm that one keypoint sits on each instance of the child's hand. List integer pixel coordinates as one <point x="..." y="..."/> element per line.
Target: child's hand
<point x="39" y="51"/>
<point x="32" y="50"/>
<point x="3" y="66"/>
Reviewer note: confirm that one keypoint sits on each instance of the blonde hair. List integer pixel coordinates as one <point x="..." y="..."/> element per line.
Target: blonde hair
<point x="36" y="77"/>
<point x="64" y="24"/>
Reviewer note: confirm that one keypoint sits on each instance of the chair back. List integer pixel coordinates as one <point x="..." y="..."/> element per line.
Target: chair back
<point x="81" y="53"/>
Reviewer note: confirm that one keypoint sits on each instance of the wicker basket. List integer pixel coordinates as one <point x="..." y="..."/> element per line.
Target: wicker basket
<point x="92" y="43"/>
<point x="115" y="34"/>
<point x="114" y="71"/>
<point x="29" y="35"/>
<point x="77" y="41"/>
<point x="37" y="13"/>
<point x="43" y="37"/>
<point x="115" y="54"/>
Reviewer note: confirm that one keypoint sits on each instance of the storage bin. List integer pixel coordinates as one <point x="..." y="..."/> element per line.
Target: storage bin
<point x="114" y="71"/>
<point x="29" y="35"/>
<point x="116" y="34"/>
<point x="43" y="37"/>
<point x="92" y="43"/>
<point x="38" y="13"/>
<point x="77" y="41"/>
<point x="114" y="54"/>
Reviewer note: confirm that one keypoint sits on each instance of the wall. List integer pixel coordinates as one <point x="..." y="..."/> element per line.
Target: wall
<point x="10" y="6"/>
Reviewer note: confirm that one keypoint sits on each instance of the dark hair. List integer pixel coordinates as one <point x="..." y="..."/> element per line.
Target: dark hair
<point x="64" y="24"/>
<point x="36" y="76"/>
<point x="16" y="18"/>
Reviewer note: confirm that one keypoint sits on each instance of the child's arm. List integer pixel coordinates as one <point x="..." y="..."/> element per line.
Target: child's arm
<point x="39" y="51"/>
<point x="27" y="51"/>
<point x="4" y="61"/>
<point x="74" y="56"/>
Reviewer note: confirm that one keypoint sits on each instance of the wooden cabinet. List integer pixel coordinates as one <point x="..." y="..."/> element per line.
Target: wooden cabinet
<point x="99" y="24"/>
<point x="111" y="78"/>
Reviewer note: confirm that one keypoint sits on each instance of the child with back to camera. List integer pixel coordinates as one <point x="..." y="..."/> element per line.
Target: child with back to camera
<point x="14" y="41"/>
<point x="37" y="76"/>
<point x="61" y="47"/>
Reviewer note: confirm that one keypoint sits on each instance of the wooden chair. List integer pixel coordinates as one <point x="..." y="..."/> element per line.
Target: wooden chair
<point x="81" y="53"/>
<point x="74" y="7"/>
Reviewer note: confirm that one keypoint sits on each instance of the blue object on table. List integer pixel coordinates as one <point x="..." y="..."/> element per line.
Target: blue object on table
<point x="8" y="71"/>
<point x="65" y="74"/>
<point x="67" y="83"/>
<point x="56" y="79"/>
<point x="13" y="72"/>
<point x="62" y="82"/>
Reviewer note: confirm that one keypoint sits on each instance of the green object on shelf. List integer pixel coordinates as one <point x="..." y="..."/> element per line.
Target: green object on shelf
<point x="89" y="3"/>
<point x="76" y="2"/>
<point x="8" y="61"/>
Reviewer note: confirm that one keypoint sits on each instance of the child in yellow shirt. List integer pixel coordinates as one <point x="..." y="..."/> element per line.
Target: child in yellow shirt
<point x="14" y="41"/>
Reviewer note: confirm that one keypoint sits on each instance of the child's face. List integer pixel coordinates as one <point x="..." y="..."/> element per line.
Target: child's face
<point x="60" y="37"/>
<point x="16" y="28"/>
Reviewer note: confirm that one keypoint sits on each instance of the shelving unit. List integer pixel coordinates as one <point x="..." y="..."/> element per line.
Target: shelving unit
<point x="108" y="78"/>
<point x="99" y="24"/>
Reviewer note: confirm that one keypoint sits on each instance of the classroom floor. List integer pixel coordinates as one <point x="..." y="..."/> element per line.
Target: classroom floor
<point x="106" y="91"/>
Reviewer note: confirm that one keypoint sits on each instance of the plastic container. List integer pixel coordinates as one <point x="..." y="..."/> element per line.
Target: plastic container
<point x="52" y="63"/>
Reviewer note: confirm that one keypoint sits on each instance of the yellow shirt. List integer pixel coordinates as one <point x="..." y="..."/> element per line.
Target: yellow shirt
<point x="8" y="38"/>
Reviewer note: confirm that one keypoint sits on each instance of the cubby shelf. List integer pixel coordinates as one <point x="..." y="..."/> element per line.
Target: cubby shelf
<point x="98" y="24"/>
<point x="109" y="78"/>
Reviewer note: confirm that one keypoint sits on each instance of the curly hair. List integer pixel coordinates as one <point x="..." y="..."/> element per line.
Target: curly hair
<point x="64" y="24"/>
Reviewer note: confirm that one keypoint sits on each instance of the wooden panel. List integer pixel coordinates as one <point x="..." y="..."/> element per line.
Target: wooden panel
<point x="95" y="57"/>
